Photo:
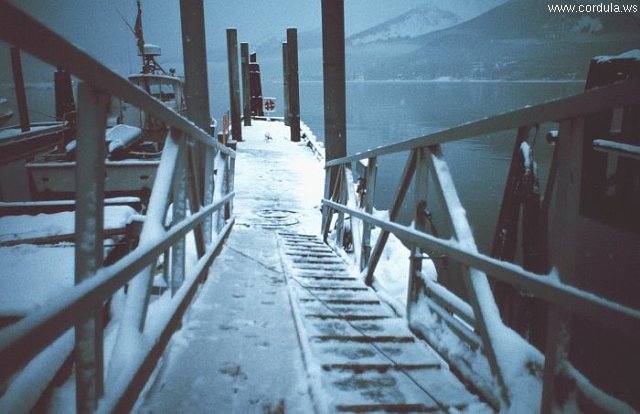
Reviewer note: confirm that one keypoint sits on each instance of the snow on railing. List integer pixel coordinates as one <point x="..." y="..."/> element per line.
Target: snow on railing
<point x="495" y="360"/>
<point x="143" y="329"/>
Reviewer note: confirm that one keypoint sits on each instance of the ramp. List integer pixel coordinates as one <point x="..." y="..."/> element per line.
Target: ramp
<point x="360" y="354"/>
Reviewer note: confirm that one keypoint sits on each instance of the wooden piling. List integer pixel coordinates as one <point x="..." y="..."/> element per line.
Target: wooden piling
<point x="255" y="85"/>
<point x="234" y="84"/>
<point x="285" y="76"/>
<point x="21" y="96"/>
<point x="195" y="62"/>
<point x="294" y="88"/>
<point x="246" y="88"/>
<point x="334" y="79"/>
<point x="196" y="91"/>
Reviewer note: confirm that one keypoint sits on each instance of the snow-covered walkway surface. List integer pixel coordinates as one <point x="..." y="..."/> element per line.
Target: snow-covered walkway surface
<point x="238" y="350"/>
<point x="282" y="323"/>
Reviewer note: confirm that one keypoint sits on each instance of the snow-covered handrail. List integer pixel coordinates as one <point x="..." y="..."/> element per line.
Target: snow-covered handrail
<point x="573" y="299"/>
<point x="483" y="328"/>
<point x="26" y="33"/>
<point x="177" y="183"/>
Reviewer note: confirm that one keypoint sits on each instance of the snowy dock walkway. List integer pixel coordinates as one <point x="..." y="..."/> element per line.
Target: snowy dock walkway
<point x="282" y="324"/>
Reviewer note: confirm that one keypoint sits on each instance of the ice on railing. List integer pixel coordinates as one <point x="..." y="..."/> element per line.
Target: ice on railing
<point x="129" y="343"/>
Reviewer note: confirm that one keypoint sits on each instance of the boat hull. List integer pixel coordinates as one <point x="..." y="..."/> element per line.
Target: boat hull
<point x="57" y="180"/>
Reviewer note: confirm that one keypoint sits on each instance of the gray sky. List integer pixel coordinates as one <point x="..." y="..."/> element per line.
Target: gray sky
<point x="96" y="26"/>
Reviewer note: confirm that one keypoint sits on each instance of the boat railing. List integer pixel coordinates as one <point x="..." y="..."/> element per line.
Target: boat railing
<point x="477" y="322"/>
<point x="192" y="198"/>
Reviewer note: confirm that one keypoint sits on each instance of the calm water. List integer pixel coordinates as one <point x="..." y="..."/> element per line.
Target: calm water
<point x="380" y="113"/>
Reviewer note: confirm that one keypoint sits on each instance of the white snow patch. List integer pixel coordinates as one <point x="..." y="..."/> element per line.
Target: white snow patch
<point x="631" y="54"/>
<point x="45" y="225"/>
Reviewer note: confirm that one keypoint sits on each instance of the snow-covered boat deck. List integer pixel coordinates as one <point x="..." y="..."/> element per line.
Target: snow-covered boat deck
<point x="250" y="341"/>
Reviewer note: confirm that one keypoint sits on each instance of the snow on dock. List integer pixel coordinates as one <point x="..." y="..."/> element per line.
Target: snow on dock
<point x="283" y="324"/>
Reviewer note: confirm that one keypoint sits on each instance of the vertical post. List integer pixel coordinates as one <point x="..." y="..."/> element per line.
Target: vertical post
<point x="234" y="84"/>
<point x="285" y="77"/>
<point x="63" y="94"/>
<point x="178" y="214"/>
<point x="246" y="87"/>
<point x="370" y="186"/>
<point x="195" y="62"/>
<point x="209" y="188"/>
<point x="195" y="73"/>
<point x="294" y="87"/>
<point x="335" y="141"/>
<point x="326" y="211"/>
<point x="564" y="254"/>
<point x="255" y="84"/>
<point x="421" y="175"/>
<point x="21" y="96"/>
<point x="90" y="173"/>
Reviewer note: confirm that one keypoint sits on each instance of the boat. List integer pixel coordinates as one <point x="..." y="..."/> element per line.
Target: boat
<point x="134" y="139"/>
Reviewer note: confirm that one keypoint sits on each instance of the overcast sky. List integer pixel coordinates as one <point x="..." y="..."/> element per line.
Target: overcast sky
<point x="96" y="26"/>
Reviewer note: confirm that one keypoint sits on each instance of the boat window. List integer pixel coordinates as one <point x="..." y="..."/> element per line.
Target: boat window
<point x="163" y="91"/>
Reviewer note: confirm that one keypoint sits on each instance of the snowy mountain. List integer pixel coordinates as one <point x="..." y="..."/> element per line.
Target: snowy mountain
<point x="520" y="39"/>
<point x="414" y="23"/>
<point x="432" y="16"/>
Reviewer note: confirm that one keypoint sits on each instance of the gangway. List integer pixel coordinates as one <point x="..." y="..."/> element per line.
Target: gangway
<point x="489" y="368"/>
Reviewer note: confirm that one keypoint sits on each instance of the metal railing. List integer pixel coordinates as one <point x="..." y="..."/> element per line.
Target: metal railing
<point x="176" y="186"/>
<point x="478" y="322"/>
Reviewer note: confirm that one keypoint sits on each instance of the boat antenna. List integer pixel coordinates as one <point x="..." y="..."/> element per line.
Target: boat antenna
<point x="138" y="30"/>
<point x="123" y="19"/>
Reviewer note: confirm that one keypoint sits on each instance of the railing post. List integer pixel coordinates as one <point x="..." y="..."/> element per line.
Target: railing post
<point x="405" y="182"/>
<point x="352" y="202"/>
<point x="285" y="76"/>
<point x="564" y="254"/>
<point x="21" y="96"/>
<point x="370" y="186"/>
<point x="246" y="87"/>
<point x="135" y="310"/>
<point x="481" y="298"/>
<point x="90" y="175"/>
<point x="326" y="211"/>
<point x="226" y="185"/>
<point x="179" y="212"/>
<point x="234" y="83"/>
<point x="209" y="188"/>
<point x="342" y="199"/>
<point x="294" y="87"/>
<point x="421" y="182"/>
<point x="195" y="174"/>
